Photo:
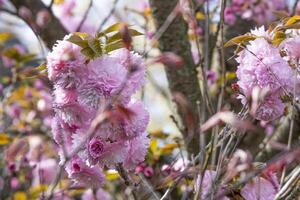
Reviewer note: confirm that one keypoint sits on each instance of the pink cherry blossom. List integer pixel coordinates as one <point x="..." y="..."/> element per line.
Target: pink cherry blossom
<point x="138" y="148"/>
<point x="65" y="64"/>
<point x="291" y="46"/>
<point x="206" y="185"/>
<point x="261" y="66"/>
<point x="83" y="175"/>
<point x="126" y="127"/>
<point x="99" y="195"/>
<point x="259" y="188"/>
<point x="82" y="90"/>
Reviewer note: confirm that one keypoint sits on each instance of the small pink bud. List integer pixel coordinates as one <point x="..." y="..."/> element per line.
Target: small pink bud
<point x="14" y="183"/>
<point x="42" y="18"/>
<point x="166" y="169"/>
<point x="139" y="169"/>
<point x="148" y="171"/>
<point x="1" y="88"/>
<point x="25" y="13"/>
<point x="12" y="167"/>
<point x="38" y="84"/>
<point x="170" y="60"/>
<point x="235" y="87"/>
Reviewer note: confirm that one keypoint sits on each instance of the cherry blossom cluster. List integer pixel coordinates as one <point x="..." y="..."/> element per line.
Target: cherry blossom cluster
<point x="267" y="73"/>
<point x="83" y="90"/>
<point x="264" y="186"/>
<point x="261" y="11"/>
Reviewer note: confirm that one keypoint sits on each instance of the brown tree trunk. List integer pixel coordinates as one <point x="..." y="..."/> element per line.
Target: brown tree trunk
<point x="182" y="80"/>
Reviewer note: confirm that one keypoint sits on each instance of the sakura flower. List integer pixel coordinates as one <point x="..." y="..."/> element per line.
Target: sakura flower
<point x="270" y="108"/>
<point x="261" y="66"/>
<point x="83" y="175"/>
<point x="230" y="17"/>
<point x="64" y="96"/>
<point x="206" y="185"/>
<point x="211" y="77"/>
<point x="292" y="47"/>
<point x="148" y="171"/>
<point x="66" y="64"/>
<point x="102" y="152"/>
<point x="99" y="195"/>
<point x="138" y="148"/>
<point x="105" y="80"/>
<point x="125" y="127"/>
<point x="82" y="90"/>
<point x="61" y="136"/>
<point x="259" y="11"/>
<point x="133" y="63"/>
<point x="15" y="183"/>
<point x="261" y="32"/>
<point x="45" y="171"/>
<point x="259" y="188"/>
<point x="74" y="114"/>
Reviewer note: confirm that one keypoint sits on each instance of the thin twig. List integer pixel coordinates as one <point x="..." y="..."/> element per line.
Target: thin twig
<point x="84" y="16"/>
<point x="111" y="12"/>
<point x="292" y="120"/>
<point x="295" y="7"/>
<point x="51" y="4"/>
<point x="29" y="25"/>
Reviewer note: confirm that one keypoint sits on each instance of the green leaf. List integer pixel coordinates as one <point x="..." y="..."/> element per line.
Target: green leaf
<point x="32" y="73"/>
<point x="41" y="67"/>
<point x="12" y="53"/>
<point x="20" y="196"/>
<point x="239" y="39"/>
<point x="5" y="36"/>
<point x="168" y="148"/>
<point x="113" y="28"/>
<point x="95" y="45"/>
<point x="4" y="139"/>
<point x="111" y="175"/>
<point x="76" y="39"/>
<point x="292" y="20"/>
<point x="278" y="38"/>
<point x="286" y="27"/>
<point x="114" y="46"/>
<point x="230" y="75"/>
<point x="35" y="191"/>
<point x="154" y="146"/>
<point x="24" y="58"/>
<point x="88" y="52"/>
<point x="118" y="35"/>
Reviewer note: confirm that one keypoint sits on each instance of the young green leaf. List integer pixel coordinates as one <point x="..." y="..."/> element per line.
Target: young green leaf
<point x="239" y="39"/>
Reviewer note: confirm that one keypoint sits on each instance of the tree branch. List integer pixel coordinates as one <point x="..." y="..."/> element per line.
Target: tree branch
<point x="54" y="29"/>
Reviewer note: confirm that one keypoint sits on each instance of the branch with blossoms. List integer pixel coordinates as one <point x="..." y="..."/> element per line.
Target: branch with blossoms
<point x="203" y="105"/>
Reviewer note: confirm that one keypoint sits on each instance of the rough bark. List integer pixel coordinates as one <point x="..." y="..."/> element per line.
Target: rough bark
<point x="182" y="80"/>
<point x="240" y="27"/>
<point x="52" y="31"/>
